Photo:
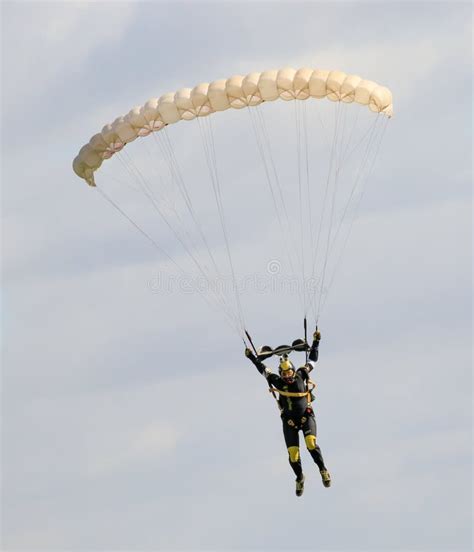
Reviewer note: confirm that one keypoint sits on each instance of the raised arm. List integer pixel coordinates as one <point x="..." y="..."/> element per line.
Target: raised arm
<point x="314" y="350"/>
<point x="256" y="361"/>
<point x="313" y="354"/>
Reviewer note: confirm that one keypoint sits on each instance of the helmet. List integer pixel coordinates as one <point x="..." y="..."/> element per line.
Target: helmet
<point x="286" y="368"/>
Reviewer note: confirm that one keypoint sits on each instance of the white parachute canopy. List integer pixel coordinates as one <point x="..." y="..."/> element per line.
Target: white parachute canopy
<point x="294" y="175"/>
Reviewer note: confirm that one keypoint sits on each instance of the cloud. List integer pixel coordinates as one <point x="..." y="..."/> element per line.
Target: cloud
<point x="145" y="446"/>
<point x="63" y="36"/>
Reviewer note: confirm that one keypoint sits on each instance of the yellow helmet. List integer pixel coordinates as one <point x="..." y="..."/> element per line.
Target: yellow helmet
<point x="285" y="365"/>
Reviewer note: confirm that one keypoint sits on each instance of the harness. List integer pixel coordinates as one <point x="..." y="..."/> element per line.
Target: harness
<point x="310" y="387"/>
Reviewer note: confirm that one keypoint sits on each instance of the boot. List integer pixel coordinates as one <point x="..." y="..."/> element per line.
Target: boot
<point x="300" y="486"/>
<point x="326" y="477"/>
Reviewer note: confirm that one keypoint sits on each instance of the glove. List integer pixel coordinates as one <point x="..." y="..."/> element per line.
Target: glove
<point x="317" y="336"/>
<point x="248" y="352"/>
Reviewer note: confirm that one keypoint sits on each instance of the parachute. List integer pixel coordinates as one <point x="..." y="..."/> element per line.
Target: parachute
<point x="313" y="204"/>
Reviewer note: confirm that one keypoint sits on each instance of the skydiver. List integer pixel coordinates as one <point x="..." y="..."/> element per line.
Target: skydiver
<point x="296" y="410"/>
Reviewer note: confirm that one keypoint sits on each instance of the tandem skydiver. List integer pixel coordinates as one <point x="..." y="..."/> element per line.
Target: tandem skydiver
<point x="296" y="411"/>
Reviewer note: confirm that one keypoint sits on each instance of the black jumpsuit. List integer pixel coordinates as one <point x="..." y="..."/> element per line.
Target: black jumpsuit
<point x="296" y="414"/>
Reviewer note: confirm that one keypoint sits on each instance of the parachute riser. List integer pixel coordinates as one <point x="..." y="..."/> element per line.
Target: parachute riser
<point x="251" y="342"/>
<point x="306" y="339"/>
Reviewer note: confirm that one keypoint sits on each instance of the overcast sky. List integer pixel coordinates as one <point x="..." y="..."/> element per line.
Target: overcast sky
<point x="130" y="418"/>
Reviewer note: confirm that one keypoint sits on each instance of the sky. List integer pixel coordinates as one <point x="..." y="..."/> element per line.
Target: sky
<point x="130" y="418"/>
